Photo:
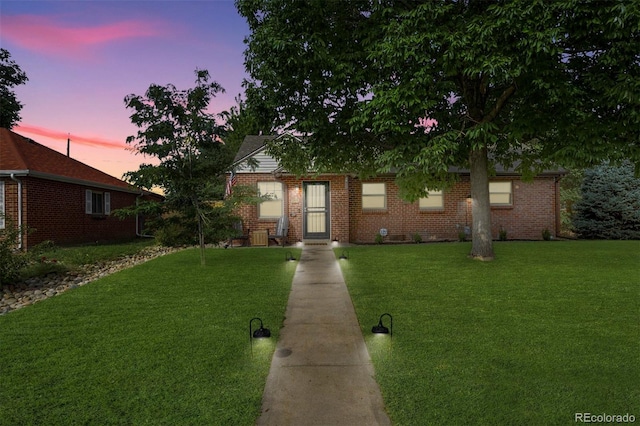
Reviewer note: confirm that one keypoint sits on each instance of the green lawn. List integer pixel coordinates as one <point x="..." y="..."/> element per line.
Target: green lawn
<point x="164" y="343"/>
<point x="547" y="330"/>
<point x="50" y="258"/>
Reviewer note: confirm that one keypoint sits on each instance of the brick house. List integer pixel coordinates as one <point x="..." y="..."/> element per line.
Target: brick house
<point x="61" y="199"/>
<point x="344" y="208"/>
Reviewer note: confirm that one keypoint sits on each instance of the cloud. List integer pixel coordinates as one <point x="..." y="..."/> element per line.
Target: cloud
<point x="46" y="35"/>
<point x="76" y="139"/>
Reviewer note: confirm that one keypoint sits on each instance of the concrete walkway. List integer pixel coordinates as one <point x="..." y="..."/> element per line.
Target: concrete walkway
<point x="321" y="373"/>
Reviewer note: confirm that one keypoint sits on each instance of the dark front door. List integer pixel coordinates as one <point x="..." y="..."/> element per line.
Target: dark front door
<point x="316" y="210"/>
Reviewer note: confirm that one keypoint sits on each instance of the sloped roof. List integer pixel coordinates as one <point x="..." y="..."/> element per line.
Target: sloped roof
<point x="24" y="156"/>
<point x="253" y="144"/>
<point x="250" y="146"/>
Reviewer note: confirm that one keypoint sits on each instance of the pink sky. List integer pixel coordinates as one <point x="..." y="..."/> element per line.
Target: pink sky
<point x="82" y="58"/>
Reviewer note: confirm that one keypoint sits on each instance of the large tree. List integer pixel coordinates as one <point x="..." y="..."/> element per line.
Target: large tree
<point x="11" y="75"/>
<point x="177" y="130"/>
<point x="419" y="87"/>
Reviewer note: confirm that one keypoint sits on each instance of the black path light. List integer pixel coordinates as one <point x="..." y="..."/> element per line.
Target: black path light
<point x="260" y="332"/>
<point x="289" y="257"/>
<point x="380" y="328"/>
<point x="344" y="255"/>
<point x="257" y="334"/>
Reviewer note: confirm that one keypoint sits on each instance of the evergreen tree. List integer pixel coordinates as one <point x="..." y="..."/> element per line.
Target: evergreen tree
<point x="610" y="204"/>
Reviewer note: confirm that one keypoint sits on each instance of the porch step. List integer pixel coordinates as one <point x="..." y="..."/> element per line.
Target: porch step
<point x="316" y="242"/>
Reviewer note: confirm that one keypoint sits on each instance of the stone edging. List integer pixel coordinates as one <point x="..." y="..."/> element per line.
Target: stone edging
<point x="34" y="289"/>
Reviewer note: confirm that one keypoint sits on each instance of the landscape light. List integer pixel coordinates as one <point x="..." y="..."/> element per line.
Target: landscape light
<point x="380" y="328"/>
<point x="289" y="257"/>
<point x="260" y="332"/>
<point x="344" y="255"/>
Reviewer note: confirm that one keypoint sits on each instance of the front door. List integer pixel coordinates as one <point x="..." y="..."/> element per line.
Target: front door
<point x="316" y="210"/>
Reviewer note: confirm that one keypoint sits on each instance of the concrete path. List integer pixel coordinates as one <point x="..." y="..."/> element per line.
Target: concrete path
<point x="321" y="373"/>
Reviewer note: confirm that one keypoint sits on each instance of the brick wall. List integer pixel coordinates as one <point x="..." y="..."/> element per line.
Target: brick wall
<point x="56" y="211"/>
<point x="293" y="205"/>
<point x="533" y="209"/>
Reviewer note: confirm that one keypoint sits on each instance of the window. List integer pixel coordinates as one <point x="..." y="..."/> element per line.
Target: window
<point x="434" y="201"/>
<point x="2" y="223"/>
<point x="97" y="203"/>
<point x="374" y="196"/>
<point x="274" y="206"/>
<point x="500" y="193"/>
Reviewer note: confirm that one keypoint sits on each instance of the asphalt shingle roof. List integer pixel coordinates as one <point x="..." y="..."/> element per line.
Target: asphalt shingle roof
<point x="20" y="154"/>
<point x="250" y="145"/>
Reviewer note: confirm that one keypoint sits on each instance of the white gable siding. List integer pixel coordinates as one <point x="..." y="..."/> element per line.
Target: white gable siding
<point x="266" y="164"/>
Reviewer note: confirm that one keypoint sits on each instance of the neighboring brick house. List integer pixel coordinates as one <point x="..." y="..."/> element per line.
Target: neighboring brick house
<point x="61" y="199"/>
<point x="344" y="208"/>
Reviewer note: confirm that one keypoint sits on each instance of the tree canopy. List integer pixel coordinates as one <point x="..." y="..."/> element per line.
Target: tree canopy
<point x="177" y="130"/>
<point x="11" y="75"/>
<point x="419" y="87"/>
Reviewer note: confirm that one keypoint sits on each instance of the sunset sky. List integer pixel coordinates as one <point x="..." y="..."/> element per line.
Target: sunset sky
<point x="83" y="57"/>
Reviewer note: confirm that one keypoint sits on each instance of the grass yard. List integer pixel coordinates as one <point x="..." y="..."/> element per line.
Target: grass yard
<point x="166" y="342"/>
<point x="547" y="330"/>
<point x="62" y="259"/>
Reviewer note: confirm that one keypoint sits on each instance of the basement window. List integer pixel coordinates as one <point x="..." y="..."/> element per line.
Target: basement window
<point x="97" y="203"/>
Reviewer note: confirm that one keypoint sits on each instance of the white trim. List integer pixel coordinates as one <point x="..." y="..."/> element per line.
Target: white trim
<point x="65" y="179"/>
<point x="107" y="203"/>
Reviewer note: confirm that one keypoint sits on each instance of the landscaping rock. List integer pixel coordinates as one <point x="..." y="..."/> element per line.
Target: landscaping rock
<point x="21" y="294"/>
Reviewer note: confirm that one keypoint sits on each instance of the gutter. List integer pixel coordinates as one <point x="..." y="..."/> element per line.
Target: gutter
<point x="19" y="182"/>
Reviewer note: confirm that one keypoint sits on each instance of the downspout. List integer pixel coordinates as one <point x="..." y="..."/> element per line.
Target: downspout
<point x="138" y="230"/>
<point x="19" y="182"/>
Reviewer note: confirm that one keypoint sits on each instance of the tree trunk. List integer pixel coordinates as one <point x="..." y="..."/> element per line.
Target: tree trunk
<point x="482" y="244"/>
<point x="203" y="260"/>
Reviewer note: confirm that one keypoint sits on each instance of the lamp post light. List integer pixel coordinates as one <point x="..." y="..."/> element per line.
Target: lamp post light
<point x="380" y="328"/>
<point x="257" y="334"/>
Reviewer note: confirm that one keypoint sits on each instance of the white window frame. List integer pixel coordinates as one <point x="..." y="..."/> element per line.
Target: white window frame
<point x="498" y="190"/>
<point x="374" y="196"/>
<point x="433" y="201"/>
<point x="274" y="207"/>
<point x="2" y="206"/>
<point x="89" y="208"/>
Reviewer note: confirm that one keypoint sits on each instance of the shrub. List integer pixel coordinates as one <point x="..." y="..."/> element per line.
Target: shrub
<point x="379" y="239"/>
<point x="12" y="260"/>
<point x="417" y="238"/>
<point x="502" y="234"/>
<point x="546" y="235"/>
<point x="610" y="204"/>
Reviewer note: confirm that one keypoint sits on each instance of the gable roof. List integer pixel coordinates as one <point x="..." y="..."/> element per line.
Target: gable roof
<point x="250" y="146"/>
<point x="24" y="157"/>
<point x="253" y="145"/>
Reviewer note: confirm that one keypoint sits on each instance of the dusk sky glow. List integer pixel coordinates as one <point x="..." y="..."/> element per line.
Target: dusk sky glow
<point x="83" y="57"/>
